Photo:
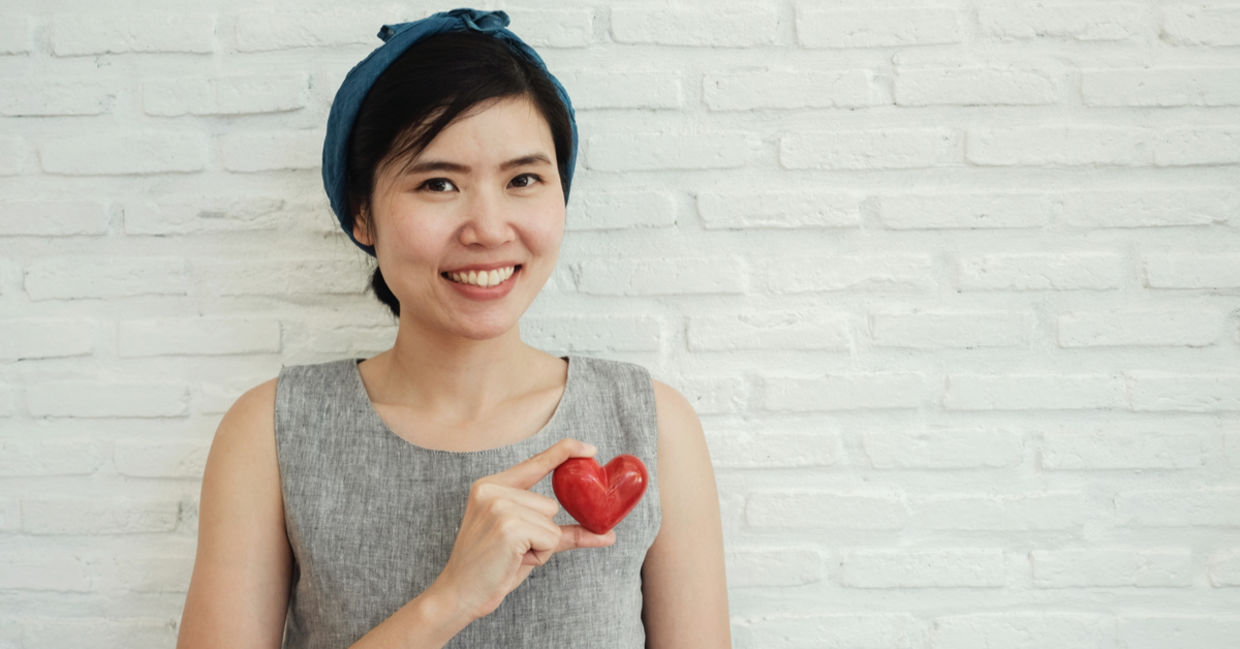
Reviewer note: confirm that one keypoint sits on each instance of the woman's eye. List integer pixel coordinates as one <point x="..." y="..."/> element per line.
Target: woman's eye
<point x="525" y="180"/>
<point x="438" y="185"/>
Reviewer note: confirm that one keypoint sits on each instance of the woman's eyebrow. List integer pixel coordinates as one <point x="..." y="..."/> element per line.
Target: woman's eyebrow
<point x="423" y="166"/>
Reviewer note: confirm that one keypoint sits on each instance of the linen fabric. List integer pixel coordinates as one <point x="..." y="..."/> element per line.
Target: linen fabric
<point x="372" y="518"/>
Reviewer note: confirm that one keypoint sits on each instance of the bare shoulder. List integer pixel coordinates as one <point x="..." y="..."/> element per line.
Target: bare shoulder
<point x="250" y="421"/>
<point x="674" y="411"/>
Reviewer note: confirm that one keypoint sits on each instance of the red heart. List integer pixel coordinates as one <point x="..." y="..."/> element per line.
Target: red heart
<point x="599" y="496"/>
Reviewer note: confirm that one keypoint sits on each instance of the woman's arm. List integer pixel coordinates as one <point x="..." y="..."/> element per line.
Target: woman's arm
<point x="683" y="583"/>
<point x="238" y="593"/>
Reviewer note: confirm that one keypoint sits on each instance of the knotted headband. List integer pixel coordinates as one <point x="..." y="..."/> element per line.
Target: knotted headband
<point x="396" y="39"/>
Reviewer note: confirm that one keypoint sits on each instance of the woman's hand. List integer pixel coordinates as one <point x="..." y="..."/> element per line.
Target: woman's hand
<point x="507" y="531"/>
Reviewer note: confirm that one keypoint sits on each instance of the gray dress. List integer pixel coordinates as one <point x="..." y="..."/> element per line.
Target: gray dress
<point x="372" y="517"/>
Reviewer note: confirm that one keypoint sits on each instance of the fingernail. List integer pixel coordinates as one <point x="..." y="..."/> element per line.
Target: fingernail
<point x="590" y="448"/>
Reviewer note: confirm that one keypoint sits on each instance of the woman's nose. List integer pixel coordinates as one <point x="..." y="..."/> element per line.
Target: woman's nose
<point x="487" y="222"/>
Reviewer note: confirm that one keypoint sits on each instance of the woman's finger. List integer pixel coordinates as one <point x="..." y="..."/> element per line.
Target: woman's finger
<point x="529" y="472"/>
<point x="576" y="536"/>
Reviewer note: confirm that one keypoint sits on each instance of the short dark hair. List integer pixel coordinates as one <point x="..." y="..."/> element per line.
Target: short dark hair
<point x="423" y="91"/>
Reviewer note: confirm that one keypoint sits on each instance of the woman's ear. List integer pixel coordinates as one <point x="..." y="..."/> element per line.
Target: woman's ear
<point x="361" y="227"/>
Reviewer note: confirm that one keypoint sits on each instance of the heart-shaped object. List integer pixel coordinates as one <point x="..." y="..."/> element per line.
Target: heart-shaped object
<point x="600" y="496"/>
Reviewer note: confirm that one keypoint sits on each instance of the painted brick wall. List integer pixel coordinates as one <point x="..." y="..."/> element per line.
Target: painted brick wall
<point x="954" y="286"/>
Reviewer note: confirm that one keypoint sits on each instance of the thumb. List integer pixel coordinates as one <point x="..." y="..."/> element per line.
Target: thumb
<point x="576" y="536"/>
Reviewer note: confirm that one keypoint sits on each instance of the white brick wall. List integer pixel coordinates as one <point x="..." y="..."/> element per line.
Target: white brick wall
<point x="953" y="285"/>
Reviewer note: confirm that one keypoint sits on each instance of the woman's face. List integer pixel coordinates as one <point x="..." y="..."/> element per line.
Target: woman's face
<point x="468" y="231"/>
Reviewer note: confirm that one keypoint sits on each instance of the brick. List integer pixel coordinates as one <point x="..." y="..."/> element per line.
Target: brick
<point x="125" y="154"/>
<point x="195" y="214"/>
<point x="888" y="148"/>
<point x="876" y="273"/>
<point x="1161" y="87"/>
<point x="618" y="210"/>
<point x="1131" y="328"/>
<point x="1037" y="271"/>
<point x="662" y="276"/>
<point x="972" y="210"/>
<point x="1069" y="21"/>
<point x="160" y="459"/>
<point x="281" y="277"/>
<point x="1057" y="146"/>
<point x="54" y="96"/>
<point x="710" y="395"/>
<point x="1179" y="508"/>
<point x="358" y="341"/>
<point x="56" y="218"/>
<point x="1197" y="145"/>
<point x="783" y="88"/>
<point x="646" y="151"/>
<point x="8" y="397"/>
<point x="59" y="278"/>
<point x="830" y="631"/>
<point x="774" y="330"/>
<point x="29" y="338"/>
<point x="14" y="34"/>
<point x="97" y="515"/>
<point x="262" y="30"/>
<point x="141" y="569"/>
<point x="723" y="209"/>
<point x="594" y="88"/>
<point x="733" y="25"/>
<point x="111" y="398"/>
<point x="599" y="333"/>
<point x="747" y="448"/>
<point x="942" y="449"/>
<point x="44" y="568"/>
<point x="1187" y="24"/>
<point x="848" y="391"/>
<point x="99" y="632"/>
<point x="1119" y="448"/>
<point x="1020" y="630"/>
<point x="197" y="336"/>
<point x="953" y="329"/>
<point x="1024" y="512"/>
<point x="819" y="26"/>
<point x="237" y="95"/>
<point x="1224" y="568"/>
<point x="1018" y="391"/>
<point x="559" y="27"/>
<point x="1091" y="568"/>
<point x="50" y="457"/>
<point x="1168" y="391"/>
<point x="1152" y="631"/>
<point x="1140" y="208"/>
<point x="793" y="566"/>
<point x="950" y="568"/>
<point x="14" y="156"/>
<point x="270" y="151"/>
<point x="1198" y="269"/>
<point x="825" y="510"/>
<point x="10" y="514"/>
<point x="113" y="33"/>
<point x="975" y="86"/>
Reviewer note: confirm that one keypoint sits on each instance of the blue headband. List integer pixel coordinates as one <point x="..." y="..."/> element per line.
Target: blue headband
<point x="397" y="39"/>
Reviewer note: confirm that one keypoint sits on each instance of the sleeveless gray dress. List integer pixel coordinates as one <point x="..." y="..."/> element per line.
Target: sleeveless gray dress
<point x="372" y="517"/>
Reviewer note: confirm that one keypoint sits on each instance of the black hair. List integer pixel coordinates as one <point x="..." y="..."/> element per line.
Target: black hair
<point x="423" y="91"/>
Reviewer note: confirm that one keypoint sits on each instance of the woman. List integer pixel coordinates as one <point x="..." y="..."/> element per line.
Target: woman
<point x="402" y="501"/>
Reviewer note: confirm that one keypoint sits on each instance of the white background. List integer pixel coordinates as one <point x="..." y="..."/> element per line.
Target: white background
<point x="954" y="286"/>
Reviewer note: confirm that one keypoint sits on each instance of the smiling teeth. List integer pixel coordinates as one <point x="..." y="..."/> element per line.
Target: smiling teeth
<point x="484" y="278"/>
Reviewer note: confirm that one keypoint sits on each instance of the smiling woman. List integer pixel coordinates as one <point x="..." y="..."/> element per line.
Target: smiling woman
<point x="403" y="500"/>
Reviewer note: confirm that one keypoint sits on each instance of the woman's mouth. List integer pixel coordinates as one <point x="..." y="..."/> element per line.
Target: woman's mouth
<point x="484" y="278"/>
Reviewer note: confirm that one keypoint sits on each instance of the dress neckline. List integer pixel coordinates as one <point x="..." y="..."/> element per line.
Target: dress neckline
<point x="375" y="419"/>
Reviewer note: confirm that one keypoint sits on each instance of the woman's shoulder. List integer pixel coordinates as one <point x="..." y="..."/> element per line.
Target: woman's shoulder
<point x="672" y="406"/>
